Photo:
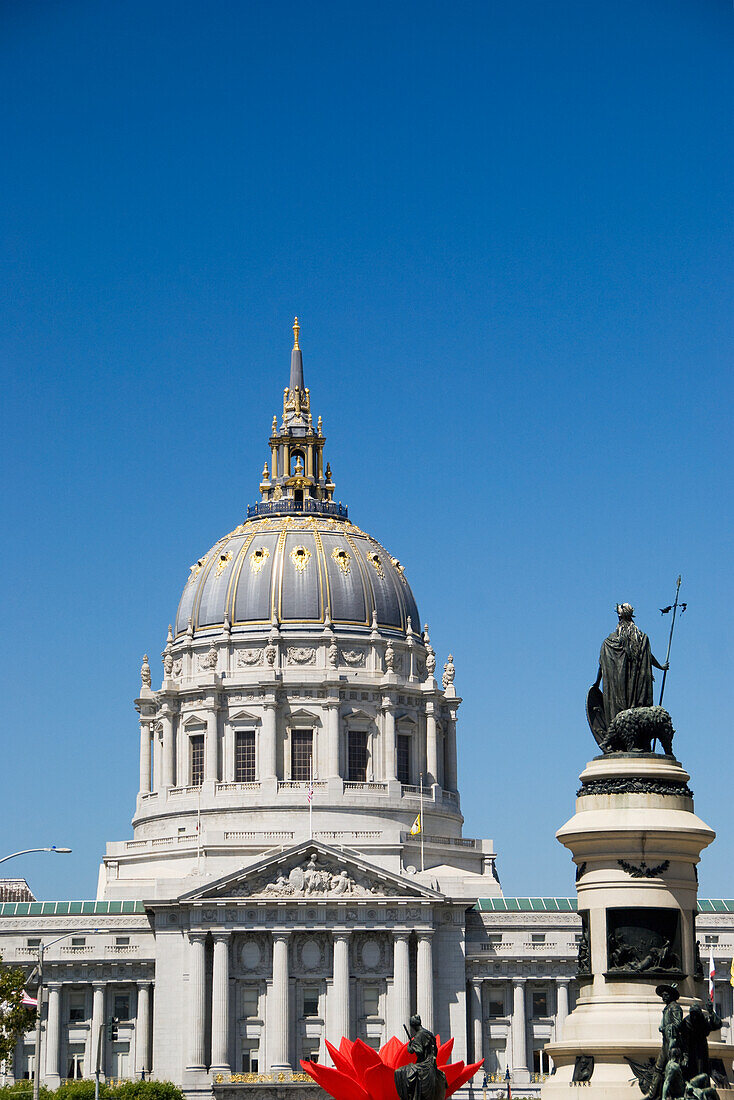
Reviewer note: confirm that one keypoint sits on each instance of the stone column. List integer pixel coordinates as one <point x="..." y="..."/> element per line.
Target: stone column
<point x="98" y="991"/>
<point x="197" y="1001"/>
<point x="561" y="1005"/>
<point x="268" y="747"/>
<point x="431" y="744"/>
<point x="52" y="1034"/>
<point x="332" y="740"/>
<point x="146" y="730"/>
<point x="167" y="751"/>
<point x="424" y="979"/>
<point x="400" y="982"/>
<point x="142" y="1031"/>
<point x="338" y="1008"/>
<point x="451" y="778"/>
<point x="220" y="1003"/>
<point x="279" y="1029"/>
<point x="477" y="1019"/>
<point x="388" y="733"/>
<point x="519" y="1037"/>
<point x="211" y="750"/>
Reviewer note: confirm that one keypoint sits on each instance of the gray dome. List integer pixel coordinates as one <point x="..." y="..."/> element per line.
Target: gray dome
<point x="298" y="568"/>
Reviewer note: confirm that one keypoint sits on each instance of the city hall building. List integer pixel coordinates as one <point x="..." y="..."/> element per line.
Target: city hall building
<point x="277" y="891"/>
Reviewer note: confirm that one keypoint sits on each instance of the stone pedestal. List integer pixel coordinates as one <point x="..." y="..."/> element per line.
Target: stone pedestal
<point x="636" y="841"/>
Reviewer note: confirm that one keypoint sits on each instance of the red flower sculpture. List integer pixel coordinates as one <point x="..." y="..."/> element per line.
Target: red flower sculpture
<point x="362" y="1073"/>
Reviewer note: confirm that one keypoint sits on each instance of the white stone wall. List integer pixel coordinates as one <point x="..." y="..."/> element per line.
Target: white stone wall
<point x="465" y="954"/>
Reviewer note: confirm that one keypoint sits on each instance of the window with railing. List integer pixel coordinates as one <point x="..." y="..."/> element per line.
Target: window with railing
<point x="197" y="760"/>
<point x="301" y="752"/>
<point x="371" y="1000"/>
<point x="77" y="1009"/>
<point x="244" y="756"/>
<point x="403" y="747"/>
<point x="311" y="1000"/>
<point x="250" y="1002"/>
<point x="357" y="756"/>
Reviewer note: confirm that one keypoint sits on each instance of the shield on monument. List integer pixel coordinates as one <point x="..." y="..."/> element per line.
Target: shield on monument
<point x="595" y="715"/>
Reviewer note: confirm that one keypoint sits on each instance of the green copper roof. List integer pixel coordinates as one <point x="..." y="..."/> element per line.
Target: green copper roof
<point x="566" y="905"/>
<point x="68" y="908"/>
<point x="526" y="905"/>
<point x="484" y="905"/>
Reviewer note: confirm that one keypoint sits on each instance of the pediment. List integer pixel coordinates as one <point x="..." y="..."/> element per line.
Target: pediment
<point x="356" y="714"/>
<point x="302" y="715"/>
<point x="195" y="720"/>
<point x="312" y="871"/>
<point x="245" y="716"/>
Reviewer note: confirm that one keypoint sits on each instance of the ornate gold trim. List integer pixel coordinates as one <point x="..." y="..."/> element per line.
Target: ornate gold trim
<point x="258" y="557"/>
<point x="224" y="560"/>
<point x="300" y="556"/>
<point x="342" y="559"/>
<point x="374" y="560"/>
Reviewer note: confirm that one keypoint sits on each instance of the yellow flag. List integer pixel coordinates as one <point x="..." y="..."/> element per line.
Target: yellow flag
<point x="415" y="828"/>
<point x="731" y="979"/>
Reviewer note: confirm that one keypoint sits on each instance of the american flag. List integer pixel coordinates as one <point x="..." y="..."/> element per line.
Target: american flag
<point x="712" y="975"/>
<point x="28" y="1001"/>
<point x="309" y="796"/>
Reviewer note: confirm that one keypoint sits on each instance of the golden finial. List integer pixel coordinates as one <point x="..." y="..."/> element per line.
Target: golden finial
<point x="296" y="330"/>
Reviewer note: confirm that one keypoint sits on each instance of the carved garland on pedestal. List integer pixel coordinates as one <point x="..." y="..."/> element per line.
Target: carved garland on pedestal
<point x="633" y="785"/>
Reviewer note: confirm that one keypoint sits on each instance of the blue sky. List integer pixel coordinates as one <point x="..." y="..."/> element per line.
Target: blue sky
<point x="507" y="231"/>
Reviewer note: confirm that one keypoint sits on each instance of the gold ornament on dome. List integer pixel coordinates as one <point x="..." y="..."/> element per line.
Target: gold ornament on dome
<point x="197" y="567"/>
<point x="258" y="558"/>
<point x="300" y="556"/>
<point x="376" y="564"/>
<point x="224" y="560"/>
<point x="342" y="559"/>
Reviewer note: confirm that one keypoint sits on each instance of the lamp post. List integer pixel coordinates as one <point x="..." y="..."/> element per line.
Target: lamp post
<point x="39" y="995"/>
<point x="25" y="851"/>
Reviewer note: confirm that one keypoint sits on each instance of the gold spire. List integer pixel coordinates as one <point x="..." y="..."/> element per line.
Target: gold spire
<point x="296" y="330"/>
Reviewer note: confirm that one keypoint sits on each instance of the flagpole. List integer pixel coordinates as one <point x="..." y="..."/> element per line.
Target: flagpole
<point x="310" y="797"/>
<point x="423" y="865"/>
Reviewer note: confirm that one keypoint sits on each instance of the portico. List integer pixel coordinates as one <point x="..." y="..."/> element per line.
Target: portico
<point x="312" y="945"/>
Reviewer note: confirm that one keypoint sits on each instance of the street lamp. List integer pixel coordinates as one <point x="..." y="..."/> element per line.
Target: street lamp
<point x="39" y="994"/>
<point x="25" y="851"/>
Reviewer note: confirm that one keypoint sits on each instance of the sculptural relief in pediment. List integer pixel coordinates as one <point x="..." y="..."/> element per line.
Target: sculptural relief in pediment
<point x="316" y="878"/>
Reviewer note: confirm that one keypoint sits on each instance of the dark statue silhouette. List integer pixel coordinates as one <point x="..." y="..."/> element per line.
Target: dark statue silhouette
<point x="683" y="1068"/>
<point x="422" y="1079"/>
<point x="622" y="717"/>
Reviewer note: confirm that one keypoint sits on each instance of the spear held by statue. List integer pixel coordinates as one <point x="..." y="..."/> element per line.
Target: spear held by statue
<point x="665" y="611"/>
